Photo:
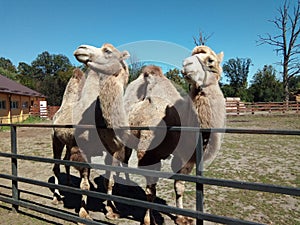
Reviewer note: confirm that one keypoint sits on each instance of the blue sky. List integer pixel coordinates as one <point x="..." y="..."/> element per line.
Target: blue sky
<point x="29" y="27"/>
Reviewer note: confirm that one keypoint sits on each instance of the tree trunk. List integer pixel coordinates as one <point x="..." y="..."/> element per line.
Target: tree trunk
<point x="285" y="79"/>
<point x="287" y="95"/>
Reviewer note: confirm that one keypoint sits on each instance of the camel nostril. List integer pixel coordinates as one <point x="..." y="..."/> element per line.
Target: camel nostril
<point x="83" y="47"/>
<point x="187" y="63"/>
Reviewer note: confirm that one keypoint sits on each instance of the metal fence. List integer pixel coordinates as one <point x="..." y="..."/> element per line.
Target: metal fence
<point x="198" y="179"/>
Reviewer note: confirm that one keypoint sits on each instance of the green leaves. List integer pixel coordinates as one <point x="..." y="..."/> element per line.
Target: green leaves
<point x="265" y="86"/>
<point x="47" y="74"/>
<point x="6" y="64"/>
<point x="236" y="71"/>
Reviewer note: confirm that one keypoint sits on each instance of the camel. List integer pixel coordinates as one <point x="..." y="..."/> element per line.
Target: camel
<point x="62" y="137"/>
<point x="206" y="94"/>
<point x="100" y="103"/>
<point x="151" y="100"/>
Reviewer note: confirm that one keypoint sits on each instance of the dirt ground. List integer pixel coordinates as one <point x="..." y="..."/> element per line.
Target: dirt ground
<point x="255" y="158"/>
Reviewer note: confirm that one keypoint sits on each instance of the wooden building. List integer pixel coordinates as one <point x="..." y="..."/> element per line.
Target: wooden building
<point x="16" y="100"/>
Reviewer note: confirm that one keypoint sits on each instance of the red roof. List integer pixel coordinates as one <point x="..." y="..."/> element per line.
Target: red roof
<point x="9" y="86"/>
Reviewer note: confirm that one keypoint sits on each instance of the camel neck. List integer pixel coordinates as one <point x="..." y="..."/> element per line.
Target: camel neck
<point x="209" y="102"/>
<point x="111" y="99"/>
<point x="91" y="86"/>
<point x="207" y="91"/>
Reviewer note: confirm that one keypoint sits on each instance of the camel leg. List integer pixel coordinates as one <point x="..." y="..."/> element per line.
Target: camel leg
<point x="128" y="152"/>
<point x="77" y="156"/>
<point x="179" y="187"/>
<point x="150" y="187"/>
<point x="84" y="185"/>
<point x="67" y="157"/>
<point x="112" y="212"/>
<point x="151" y="195"/>
<point x="57" y="147"/>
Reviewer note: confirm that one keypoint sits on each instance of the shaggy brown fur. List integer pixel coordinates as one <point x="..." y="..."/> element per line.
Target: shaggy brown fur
<point x="152" y="70"/>
<point x="202" y="105"/>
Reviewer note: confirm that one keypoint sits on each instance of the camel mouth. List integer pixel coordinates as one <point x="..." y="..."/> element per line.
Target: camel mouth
<point x="188" y="78"/>
<point x="83" y="58"/>
<point x="186" y="75"/>
<point x="82" y="55"/>
<point x="183" y="72"/>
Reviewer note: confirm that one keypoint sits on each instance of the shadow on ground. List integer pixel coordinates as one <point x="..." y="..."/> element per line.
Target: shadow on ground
<point x="132" y="190"/>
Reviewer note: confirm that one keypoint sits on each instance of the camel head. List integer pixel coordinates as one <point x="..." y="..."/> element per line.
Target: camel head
<point x="203" y="67"/>
<point x="107" y="59"/>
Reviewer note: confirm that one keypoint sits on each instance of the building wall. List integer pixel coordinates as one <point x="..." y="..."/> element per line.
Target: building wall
<point x="20" y="110"/>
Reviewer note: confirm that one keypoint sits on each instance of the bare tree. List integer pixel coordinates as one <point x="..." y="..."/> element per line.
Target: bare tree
<point x="286" y="42"/>
<point x="201" y="39"/>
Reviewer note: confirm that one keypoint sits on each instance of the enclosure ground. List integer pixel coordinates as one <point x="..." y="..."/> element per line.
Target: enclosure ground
<point x="270" y="159"/>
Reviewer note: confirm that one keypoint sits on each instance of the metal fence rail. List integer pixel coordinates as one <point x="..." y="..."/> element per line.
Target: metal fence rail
<point x="198" y="179"/>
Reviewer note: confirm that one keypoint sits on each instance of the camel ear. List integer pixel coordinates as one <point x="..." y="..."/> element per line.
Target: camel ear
<point x="220" y="56"/>
<point x="125" y="55"/>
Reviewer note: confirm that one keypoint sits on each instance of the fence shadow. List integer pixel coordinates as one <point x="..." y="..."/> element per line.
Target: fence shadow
<point x="131" y="190"/>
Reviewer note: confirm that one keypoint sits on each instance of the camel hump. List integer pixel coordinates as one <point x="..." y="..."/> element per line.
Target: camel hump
<point x="77" y="74"/>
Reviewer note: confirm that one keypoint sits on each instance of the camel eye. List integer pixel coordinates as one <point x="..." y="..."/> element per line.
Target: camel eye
<point x="210" y="61"/>
<point x="106" y="50"/>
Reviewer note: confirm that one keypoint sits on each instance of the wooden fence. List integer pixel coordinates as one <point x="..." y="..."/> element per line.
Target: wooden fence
<point x="236" y="107"/>
<point x="51" y="110"/>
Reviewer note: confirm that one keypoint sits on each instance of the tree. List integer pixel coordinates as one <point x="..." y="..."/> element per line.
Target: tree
<point x="42" y="66"/>
<point x="25" y="73"/>
<point x="294" y="85"/>
<point x="236" y="71"/>
<point x="49" y="74"/>
<point x="135" y="68"/>
<point x="25" y="69"/>
<point x="49" y="65"/>
<point x="286" y="42"/>
<point x="7" y="65"/>
<point x="265" y="86"/>
<point x="227" y="90"/>
<point x="201" y="39"/>
<point x="178" y="81"/>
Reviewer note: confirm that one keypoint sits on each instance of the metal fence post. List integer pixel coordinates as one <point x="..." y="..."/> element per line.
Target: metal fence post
<point x="199" y="172"/>
<point x="14" y="167"/>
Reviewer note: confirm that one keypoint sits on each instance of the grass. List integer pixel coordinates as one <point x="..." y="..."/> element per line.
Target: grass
<point x="33" y="119"/>
<point x="29" y="120"/>
<point x="24" y="217"/>
<point x="269" y="159"/>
